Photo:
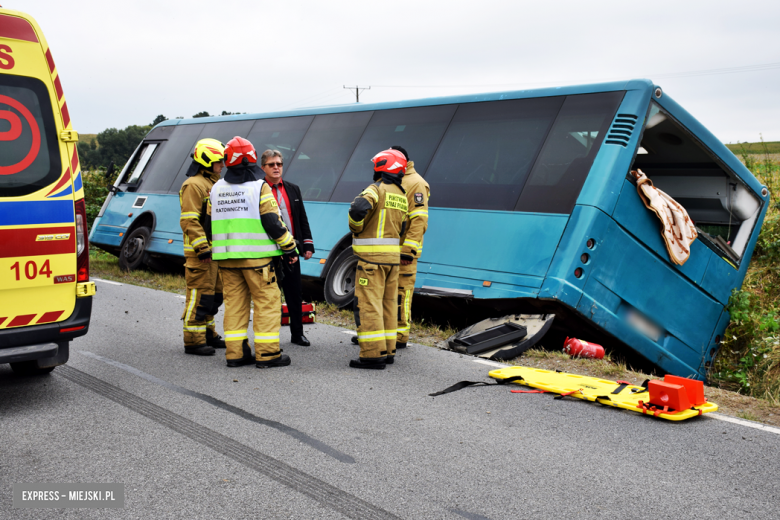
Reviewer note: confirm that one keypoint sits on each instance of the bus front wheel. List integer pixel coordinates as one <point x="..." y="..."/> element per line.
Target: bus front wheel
<point x="340" y="282"/>
<point x="131" y="256"/>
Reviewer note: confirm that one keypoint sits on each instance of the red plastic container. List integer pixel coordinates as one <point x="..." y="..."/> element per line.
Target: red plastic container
<point x="578" y="348"/>
<point x="694" y="389"/>
<point x="309" y="311"/>
<point x="668" y="394"/>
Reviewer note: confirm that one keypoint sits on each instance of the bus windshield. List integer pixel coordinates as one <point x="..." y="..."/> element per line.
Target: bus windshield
<point x="29" y="154"/>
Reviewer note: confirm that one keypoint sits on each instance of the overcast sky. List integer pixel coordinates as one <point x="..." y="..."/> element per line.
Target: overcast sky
<point x="123" y="63"/>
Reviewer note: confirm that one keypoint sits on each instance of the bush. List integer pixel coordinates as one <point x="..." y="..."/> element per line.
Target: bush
<point x="95" y="191"/>
<point x="749" y="356"/>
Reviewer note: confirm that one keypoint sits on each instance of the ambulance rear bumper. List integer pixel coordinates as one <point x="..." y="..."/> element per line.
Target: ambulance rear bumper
<point x="50" y="333"/>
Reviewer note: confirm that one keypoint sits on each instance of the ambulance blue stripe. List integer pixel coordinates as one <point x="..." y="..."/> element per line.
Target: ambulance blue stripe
<point x="20" y="213"/>
<point x="77" y="182"/>
<point x="67" y="191"/>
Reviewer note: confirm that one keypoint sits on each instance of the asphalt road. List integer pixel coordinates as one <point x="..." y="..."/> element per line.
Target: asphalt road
<point x="190" y="438"/>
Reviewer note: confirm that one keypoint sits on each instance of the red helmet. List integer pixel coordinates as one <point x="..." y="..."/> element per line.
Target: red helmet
<point x="238" y="148"/>
<point x="389" y="161"/>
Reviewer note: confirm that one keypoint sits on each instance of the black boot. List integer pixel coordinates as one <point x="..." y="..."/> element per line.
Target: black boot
<point x="247" y="359"/>
<point x="281" y="361"/>
<point x="355" y="340"/>
<point x="390" y="360"/>
<point x="371" y="363"/>
<point x="199" y="350"/>
<point x="214" y="340"/>
<point x="398" y="344"/>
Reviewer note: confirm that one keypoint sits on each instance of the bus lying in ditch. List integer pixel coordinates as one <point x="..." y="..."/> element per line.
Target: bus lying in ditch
<point x="532" y="206"/>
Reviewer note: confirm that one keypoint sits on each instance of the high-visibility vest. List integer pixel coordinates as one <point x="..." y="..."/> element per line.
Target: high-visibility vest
<point x="237" y="231"/>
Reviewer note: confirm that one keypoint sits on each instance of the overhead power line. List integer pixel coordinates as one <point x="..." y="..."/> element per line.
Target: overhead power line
<point x="709" y="72"/>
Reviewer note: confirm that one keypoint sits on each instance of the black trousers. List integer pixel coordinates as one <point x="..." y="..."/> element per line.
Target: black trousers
<point x="291" y="286"/>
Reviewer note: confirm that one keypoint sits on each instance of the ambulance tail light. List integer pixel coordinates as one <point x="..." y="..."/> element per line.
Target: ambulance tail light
<point x="82" y="247"/>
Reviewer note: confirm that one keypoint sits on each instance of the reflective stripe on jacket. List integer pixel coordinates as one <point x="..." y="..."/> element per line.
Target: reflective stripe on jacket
<point x="375" y="219"/>
<point x="417" y="194"/>
<point x="193" y="196"/>
<point x="236" y="226"/>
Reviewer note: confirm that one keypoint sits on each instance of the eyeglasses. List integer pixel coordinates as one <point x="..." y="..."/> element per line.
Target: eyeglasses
<point x="272" y="164"/>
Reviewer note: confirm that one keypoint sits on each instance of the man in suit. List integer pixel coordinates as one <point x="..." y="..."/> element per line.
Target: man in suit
<point x="288" y="197"/>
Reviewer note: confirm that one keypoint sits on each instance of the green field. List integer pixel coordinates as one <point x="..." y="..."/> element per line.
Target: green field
<point x="754" y="148"/>
<point x="86" y="138"/>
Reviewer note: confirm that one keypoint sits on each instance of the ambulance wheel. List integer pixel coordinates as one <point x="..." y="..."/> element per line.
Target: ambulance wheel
<point x="29" y="368"/>
<point x="340" y="282"/>
<point x="131" y="256"/>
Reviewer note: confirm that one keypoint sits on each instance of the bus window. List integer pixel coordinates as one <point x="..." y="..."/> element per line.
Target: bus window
<point x="724" y="210"/>
<point x="487" y="152"/>
<point x="568" y="153"/>
<point x="418" y="130"/>
<point x="137" y="167"/>
<point x="324" y="153"/>
<point x="165" y="167"/>
<point x="284" y="135"/>
<point x="29" y="148"/>
<point x="222" y="132"/>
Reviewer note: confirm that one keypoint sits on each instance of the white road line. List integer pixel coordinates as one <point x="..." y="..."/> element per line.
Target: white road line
<point x="350" y="332"/>
<point x="180" y="296"/>
<point x="749" y="424"/>
<point x="105" y="281"/>
<point x="491" y="363"/>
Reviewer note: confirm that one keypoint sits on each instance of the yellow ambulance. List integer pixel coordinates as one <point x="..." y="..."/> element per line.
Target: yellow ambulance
<point x="45" y="292"/>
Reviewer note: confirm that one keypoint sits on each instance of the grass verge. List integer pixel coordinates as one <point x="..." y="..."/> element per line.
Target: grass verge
<point x="104" y="265"/>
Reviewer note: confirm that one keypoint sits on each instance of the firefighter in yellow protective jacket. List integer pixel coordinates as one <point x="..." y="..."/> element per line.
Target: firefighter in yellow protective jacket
<point x="249" y="241"/>
<point x="376" y="217"/>
<point x="204" y="287"/>
<point x="417" y="194"/>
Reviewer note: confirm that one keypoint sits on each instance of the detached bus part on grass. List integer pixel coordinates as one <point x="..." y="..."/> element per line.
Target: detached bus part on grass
<point x="532" y="205"/>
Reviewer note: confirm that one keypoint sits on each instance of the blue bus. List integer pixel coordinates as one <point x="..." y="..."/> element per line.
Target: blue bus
<point x="532" y="205"/>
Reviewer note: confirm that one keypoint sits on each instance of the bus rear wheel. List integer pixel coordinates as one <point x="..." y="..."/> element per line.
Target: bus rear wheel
<point x="131" y="256"/>
<point x="340" y="282"/>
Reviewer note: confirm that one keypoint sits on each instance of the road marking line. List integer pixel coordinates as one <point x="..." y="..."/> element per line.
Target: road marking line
<point x="491" y="363"/>
<point x="105" y="281"/>
<point x="749" y="424"/>
<point x="350" y="332"/>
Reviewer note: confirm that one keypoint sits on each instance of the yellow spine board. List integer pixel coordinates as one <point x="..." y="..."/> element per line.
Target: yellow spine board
<point x="595" y="390"/>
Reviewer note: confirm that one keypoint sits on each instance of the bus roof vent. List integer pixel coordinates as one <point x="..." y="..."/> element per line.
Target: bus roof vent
<point x="621" y="129"/>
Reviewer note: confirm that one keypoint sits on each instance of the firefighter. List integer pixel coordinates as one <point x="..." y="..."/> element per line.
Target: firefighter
<point x="417" y="194"/>
<point x="204" y="286"/>
<point x="249" y="241"/>
<point x="376" y="217"/>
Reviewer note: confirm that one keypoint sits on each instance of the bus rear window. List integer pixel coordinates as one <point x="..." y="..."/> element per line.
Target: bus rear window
<point x="29" y="150"/>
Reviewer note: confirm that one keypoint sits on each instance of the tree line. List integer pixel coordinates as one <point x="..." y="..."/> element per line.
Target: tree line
<point x="114" y="145"/>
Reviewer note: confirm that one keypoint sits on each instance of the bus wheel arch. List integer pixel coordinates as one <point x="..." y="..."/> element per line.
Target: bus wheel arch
<point x="132" y="252"/>
<point x="340" y="281"/>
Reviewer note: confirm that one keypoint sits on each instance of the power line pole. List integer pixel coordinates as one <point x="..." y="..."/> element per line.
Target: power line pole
<point x="357" y="91"/>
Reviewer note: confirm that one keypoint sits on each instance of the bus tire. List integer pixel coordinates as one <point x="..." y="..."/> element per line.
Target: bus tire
<point x="29" y="368"/>
<point x="131" y="256"/>
<point x="340" y="282"/>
